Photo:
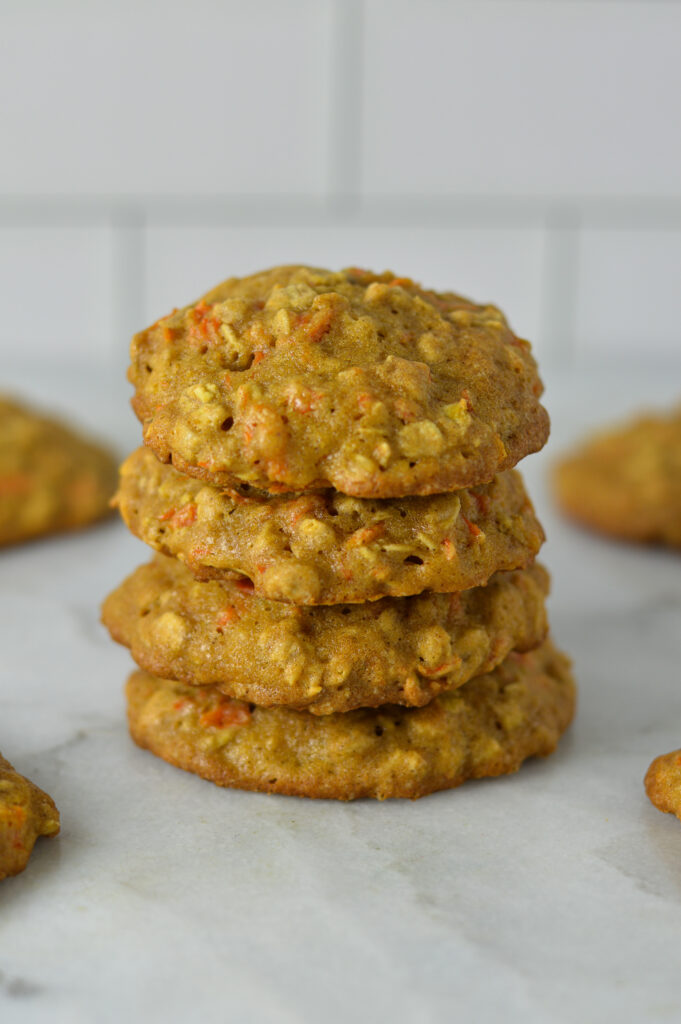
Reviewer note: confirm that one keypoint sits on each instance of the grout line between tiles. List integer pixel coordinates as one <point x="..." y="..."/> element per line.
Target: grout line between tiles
<point x="493" y="211"/>
<point x="128" y="279"/>
<point x="346" y="103"/>
<point x="560" y="286"/>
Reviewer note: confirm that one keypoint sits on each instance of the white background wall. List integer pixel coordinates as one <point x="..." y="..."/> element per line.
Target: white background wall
<point x="524" y="151"/>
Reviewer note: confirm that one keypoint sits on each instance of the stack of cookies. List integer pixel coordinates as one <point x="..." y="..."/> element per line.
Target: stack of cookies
<point x="344" y="600"/>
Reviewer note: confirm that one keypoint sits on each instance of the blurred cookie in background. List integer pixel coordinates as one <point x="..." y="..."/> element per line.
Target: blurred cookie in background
<point x="626" y="482"/>
<point x="51" y="478"/>
<point x="25" y="813"/>
<point x="663" y="783"/>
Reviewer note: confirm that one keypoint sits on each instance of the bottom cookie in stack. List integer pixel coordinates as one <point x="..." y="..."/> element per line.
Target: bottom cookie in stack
<point x="396" y="697"/>
<point x="486" y="727"/>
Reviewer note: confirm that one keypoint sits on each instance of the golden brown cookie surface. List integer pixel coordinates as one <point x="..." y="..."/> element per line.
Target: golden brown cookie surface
<point x="51" y="479"/>
<point x="25" y="813"/>
<point x="396" y="650"/>
<point x="330" y="548"/>
<point x="298" y="378"/>
<point x="487" y="727"/>
<point x="627" y="482"/>
<point x="663" y="783"/>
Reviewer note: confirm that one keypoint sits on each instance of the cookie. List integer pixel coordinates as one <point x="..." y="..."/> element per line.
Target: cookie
<point x="25" y="813"/>
<point x="663" y="783"/>
<point x="329" y="548"/>
<point x="298" y="378"/>
<point x="51" y="479"/>
<point x="627" y="482"/>
<point x="401" y="650"/>
<point x="487" y="727"/>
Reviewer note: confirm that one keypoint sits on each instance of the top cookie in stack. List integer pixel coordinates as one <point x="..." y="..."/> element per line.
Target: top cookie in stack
<point x="337" y="439"/>
<point x="298" y="379"/>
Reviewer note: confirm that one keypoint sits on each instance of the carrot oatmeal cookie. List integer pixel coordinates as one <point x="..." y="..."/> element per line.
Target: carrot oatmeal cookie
<point x="396" y="650"/>
<point x="25" y="813"/>
<point x="298" y="378"/>
<point x="329" y="548"/>
<point x="51" y="479"/>
<point x="663" y="783"/>
<point x="626" y="482"/>
<point x="487" y="727"/>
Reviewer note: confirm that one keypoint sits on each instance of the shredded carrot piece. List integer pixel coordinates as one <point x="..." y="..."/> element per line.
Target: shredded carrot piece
<point x="482" y="502"/>
<point x="365" y="535"/>
<point x="439" y="669"/>
<point x="228" y="616"/>
<point x="225" y="714"/>
<point x="205" y="325"/>
<point x="301" y="508"/>
<point x="407" y="410"/>
<point x="180" y="517"/>
<point x="15" y="483"/>
<point x="475" y="531"/>
<point x="313" y="326"/>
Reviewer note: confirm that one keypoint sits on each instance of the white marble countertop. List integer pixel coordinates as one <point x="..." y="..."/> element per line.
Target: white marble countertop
<point x="551" y="895"/>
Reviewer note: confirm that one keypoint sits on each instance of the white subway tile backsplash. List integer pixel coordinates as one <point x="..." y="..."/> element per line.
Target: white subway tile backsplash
<point x="525" y="152"/>
<point x="164" y="98"/>
<point x="629" y="296"/>
<point x="56" y="293"/>
<point x="503" y="265"/>
<point x="529" y="97"/>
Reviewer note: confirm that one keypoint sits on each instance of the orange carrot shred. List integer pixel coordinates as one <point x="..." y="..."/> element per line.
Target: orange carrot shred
<point x="180" y="517"/>
<point x="229" y="615"/>
<point x="225" y="714"/>
<point x="474" y="530"/>
<point x="449" y="549"/>
<point x="15" y="483"/>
